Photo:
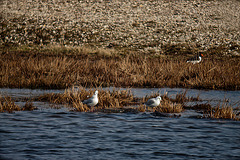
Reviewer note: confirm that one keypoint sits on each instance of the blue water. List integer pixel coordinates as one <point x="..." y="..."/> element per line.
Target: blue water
<point x="49" y="133"/>
<point x="70" y="135"/>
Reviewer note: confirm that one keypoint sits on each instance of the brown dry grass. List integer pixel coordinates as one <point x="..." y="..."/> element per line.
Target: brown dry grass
<point x="118" y="101"/>
<point x="73" y="97"/>
<point x="114" y="101"/>
<point x="8" y="105"/>
<point x="222" y="112"/>
<point x="169" y="107"/>
<point x="45" y="68"/>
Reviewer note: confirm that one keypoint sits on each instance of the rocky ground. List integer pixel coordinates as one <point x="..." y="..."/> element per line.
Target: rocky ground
<point x="142" y="25"/>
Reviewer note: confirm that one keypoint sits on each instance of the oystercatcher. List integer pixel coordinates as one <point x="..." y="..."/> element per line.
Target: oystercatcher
<point x="195" y="59"/>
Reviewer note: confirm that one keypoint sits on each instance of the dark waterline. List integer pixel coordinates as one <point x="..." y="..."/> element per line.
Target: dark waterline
<point x="59" y="134"/>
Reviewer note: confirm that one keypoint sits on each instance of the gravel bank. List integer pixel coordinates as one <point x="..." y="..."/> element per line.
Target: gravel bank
<point x="146" y="26"/>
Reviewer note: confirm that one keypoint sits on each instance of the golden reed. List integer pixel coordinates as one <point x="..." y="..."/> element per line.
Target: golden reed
<point x="62" y="67"/>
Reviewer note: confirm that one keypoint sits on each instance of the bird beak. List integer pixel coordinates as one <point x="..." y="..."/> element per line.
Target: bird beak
<point x="201" y="54"/>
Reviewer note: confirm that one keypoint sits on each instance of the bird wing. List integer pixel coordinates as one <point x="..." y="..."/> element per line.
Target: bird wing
<point x="193" y="58"/>
<point x="150" y="101"/>
<point x="88" y="101"/>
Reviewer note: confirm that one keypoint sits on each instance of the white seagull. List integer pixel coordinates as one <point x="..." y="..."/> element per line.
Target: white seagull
<point x="153" y="102"/>
<point x="195" y="59"/>
<point x="91" y="102"/>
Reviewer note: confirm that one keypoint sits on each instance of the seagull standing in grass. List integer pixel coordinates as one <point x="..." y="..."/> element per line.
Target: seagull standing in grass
<point x="195" y="59"/>
<point x="153" y="102"/>
<point x="91" y="102"/>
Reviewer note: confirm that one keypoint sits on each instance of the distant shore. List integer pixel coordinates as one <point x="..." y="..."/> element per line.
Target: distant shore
<point x="145" y="26"/>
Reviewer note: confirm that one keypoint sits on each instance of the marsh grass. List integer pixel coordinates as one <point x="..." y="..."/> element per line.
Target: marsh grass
<point x="28" y="107"/>
<point x="177" y="105"/>
<point x="122" y="101"/>
<point x="182" y="98"/>
<point x="223" y="111"/>
<point x="8" y="105"/>
<point x="169" y="107"/>
<point x="74" y="96"/>
<point x="62" y="67"/>
<point x="109" y="101"/>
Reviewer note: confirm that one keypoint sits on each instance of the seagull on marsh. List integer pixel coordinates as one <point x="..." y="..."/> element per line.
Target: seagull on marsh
<point x="153" y="102"/>
<point x="91" y="102"/>
<point x="195" y="59"/>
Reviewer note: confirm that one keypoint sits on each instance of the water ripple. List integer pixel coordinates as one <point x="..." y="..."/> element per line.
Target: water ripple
<point x="59" y="134"/>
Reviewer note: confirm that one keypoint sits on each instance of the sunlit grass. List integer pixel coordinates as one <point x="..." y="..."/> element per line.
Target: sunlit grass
<point x="62" y="67"/>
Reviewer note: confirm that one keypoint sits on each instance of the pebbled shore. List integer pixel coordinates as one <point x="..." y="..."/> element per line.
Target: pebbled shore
<point x="145" y="26"/>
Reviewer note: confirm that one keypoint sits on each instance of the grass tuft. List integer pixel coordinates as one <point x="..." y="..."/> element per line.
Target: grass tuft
<point x="223" y="112"/>
<point x="8" y="105"/>
<point x="28" y="107"/>
<point x="169" y="107"/>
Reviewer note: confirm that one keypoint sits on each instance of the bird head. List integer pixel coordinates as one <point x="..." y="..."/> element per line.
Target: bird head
<point x="159" y="97"/>
<point x="96" y="92"/>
